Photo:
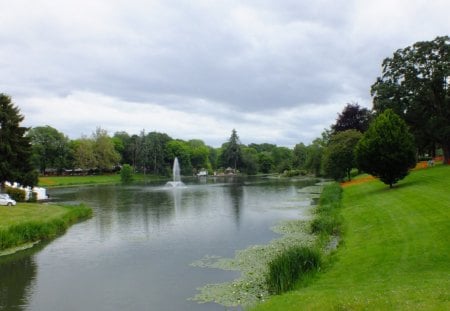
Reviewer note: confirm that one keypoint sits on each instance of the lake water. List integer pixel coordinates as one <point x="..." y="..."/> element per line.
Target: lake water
<point x="136" y="250"/>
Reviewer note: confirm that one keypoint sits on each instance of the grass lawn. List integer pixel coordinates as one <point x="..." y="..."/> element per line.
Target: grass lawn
<point x="24" y="212"/>
<point x="395" y="254"/>
<point x="61" y="181"/>
<point x="30" y="222"/>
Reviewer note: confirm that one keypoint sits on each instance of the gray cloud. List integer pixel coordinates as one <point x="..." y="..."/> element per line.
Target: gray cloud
<point x="225" y="61"/>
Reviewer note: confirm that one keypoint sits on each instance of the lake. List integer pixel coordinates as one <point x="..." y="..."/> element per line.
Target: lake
<point x="135" y="253"/>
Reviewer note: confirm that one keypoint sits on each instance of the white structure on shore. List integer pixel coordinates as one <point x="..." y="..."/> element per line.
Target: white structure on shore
<point x="41" y="193"/>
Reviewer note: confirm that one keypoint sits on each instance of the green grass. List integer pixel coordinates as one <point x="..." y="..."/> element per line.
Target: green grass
<point x="62" y="181"/>
<point x="328" y="220"/>
<point x="396" y="250"/>
<point x="30" y="222"/>
<point x="291" y="265"/>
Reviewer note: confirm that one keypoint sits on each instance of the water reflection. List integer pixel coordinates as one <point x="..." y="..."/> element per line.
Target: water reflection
<point x="136" y="250"/>
<point x="236" y="193"/>
<point x="17" y="273"/>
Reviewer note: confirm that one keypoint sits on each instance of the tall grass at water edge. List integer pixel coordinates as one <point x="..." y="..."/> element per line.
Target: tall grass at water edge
<point x="328" y="221"/>
<point x="298" y="262"/>
<point x="36" y="230"/>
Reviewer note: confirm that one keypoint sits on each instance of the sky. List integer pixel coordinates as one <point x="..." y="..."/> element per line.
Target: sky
<point x="277" y="71"/>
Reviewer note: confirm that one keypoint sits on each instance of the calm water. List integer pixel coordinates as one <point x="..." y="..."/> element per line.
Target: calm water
<point x="135" y="252"/>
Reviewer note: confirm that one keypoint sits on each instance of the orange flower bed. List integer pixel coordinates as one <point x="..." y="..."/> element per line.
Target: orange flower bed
<point x="357" y="181"/>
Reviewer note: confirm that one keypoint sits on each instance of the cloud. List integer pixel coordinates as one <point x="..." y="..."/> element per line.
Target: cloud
<point x="208" y="66"/>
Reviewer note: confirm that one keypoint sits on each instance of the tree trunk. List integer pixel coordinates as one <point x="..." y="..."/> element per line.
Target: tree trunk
<point x="446" y="149"/>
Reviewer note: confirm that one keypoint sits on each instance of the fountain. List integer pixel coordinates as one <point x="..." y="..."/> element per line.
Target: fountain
<point x="176" y="175"/>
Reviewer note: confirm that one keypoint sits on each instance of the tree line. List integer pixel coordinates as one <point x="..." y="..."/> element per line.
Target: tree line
<point x="410" y="117"/>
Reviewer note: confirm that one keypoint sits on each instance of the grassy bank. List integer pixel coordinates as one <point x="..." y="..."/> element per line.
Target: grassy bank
<point x="64" y="181"/>
<point x="27" y="222"/>
<point x="395" y="254"/>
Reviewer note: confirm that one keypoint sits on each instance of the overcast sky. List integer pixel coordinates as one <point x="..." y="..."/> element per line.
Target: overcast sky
<point x="276" y="71"/>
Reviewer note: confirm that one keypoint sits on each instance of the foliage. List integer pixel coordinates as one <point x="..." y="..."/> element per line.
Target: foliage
<point x="387" y="149"/>
<point x="16" y="194"/>
<point x="105" y="154"/>
<point x="415" y="84"/>
<point x="249" y="161"/>
<point x="232" y="154"/>
<point x="353" y="117"/>
<point x="339" y="156"/>
<point x="40" y="229"/>
<point x="282" y="156"/>
<point x="265" y="162"/>
<point x="181" y="150"/>
<point x="289" y="266"/>
<point x="314" y="155"/>
<point x="15" y="147"/>
<point x="50" y="148"/>
<point x="299" y="155"/>
<point x="126" y="174"/>
<point x="83" y="152"/>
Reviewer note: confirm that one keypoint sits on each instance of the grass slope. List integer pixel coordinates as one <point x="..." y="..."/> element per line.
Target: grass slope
<point x="396" y="251"/>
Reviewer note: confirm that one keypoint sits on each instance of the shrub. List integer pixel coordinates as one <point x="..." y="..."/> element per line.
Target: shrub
<point x="290" y="266"/>
<point x="16" y="194"/>
<point x="126" y="173"/>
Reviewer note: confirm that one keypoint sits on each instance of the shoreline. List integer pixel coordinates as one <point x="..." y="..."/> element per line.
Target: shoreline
<point x="36" y="223"/>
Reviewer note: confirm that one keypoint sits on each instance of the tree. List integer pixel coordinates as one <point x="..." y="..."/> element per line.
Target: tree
<point x="314" y="155"/>
<point x="353" y="117"/>
<point x="106" y="155"/>
<point x="339" y="156"/>
<point x="300" y="152"/>
<point x="249" y="160"/>
<point x="282" y="157"/>
<point x="83" y="153"/>
<point x="15" y="146"/>
<point x="232" y="155"/>
<point x="50" y="148"/>
<point x="415" y="84"/>
<point x="387" y="149"/>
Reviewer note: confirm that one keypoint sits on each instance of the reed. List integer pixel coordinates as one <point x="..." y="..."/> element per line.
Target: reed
<point x="290" y="266"/>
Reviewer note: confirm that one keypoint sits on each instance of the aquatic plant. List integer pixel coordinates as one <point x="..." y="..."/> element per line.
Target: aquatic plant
<point x="289" y="266"/>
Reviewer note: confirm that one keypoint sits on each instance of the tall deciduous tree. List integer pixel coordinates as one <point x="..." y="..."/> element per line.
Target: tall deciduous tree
<point x="15" y="147"/>
<point x="387" y="149"/>
<point x="339" y="156"/>
<point x="415" y="84"/>
<point x="50" y="148"/>
<point x="106" y="155"/>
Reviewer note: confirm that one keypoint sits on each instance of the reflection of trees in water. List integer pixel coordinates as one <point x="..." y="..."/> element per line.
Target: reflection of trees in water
<point x="236" y="191"/>
<point x="17" y="273"/>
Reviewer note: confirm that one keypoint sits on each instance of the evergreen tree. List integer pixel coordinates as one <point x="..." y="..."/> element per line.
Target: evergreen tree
<point x="232" y="154"/>
<point x="387" y="149"/>
<point x="15" y="147"/>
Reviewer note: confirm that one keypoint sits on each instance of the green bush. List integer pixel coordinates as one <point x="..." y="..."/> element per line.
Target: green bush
<point x="290" y="266"/>
<point x="16" y="194"/>
<point x="126" y="173"/>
